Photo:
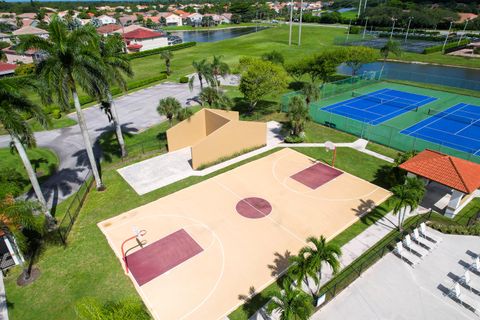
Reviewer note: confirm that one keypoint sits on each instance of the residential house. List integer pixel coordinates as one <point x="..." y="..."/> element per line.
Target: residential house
<point x="226" y="18"/>
<point x="127" y="20"/>
<point x="171" y="18"/>
<point x="466" y="16"/>
<point x="28" y="56"/>
<point x="108" y="29"/>
<point x="103" y="20"/>
<point x="142" y="39"/>
<point x="7" y="69"/>
<point x="30" y="15"/>
<point x="194" y="19"/>
<point x="30" y="30"/>
<point x="5" y="37"/>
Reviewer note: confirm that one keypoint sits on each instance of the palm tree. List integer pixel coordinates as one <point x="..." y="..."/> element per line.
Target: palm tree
<point x="72" y="60"/>
<point x="89" y="308"/>
<point x="116" y="64"/>
<point x="301" y="270"/>
<point x="311" y="92"/>
<point x="297" y="115"/>
<point x="203" y="71"/>
<point x="208" y="95"/>
<point x="3" y="56"/>
<point x="391" y="46"/>
<point x="13" y="106"/>
<point x="290" y="303"/>
<point x="169" y="107"/>
<point x="218" y="69"/>
<point x="167" y="55"/>
<point x="18" y="218"/>
<point x="407" y="196"/>
<point x="320" y="253"/>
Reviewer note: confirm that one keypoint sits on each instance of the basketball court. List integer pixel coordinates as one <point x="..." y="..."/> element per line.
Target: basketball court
<point x="206" y="245"/>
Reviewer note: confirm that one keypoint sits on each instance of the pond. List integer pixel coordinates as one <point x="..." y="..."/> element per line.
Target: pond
<point x="464" y="78"/>
<point x="214" y="35"/>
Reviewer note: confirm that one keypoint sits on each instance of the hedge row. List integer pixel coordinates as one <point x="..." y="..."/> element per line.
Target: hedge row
<point x="146" y="53"/>
<point x="448" y="46"/>
<point x="131" y="85"/>
<point x="456" y="229"/>
<point x="413" y="36"/>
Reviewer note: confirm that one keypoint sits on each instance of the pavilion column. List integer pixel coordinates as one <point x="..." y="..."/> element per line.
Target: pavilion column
<point x="454" y="203"/>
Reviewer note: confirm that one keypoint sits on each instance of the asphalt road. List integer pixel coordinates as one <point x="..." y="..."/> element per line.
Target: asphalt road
<point x="137" y="112"/>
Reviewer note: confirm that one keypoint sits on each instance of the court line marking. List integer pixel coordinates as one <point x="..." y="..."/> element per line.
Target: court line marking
<point x="402" y="111"/>
<point x="267" y="216"/>
<point x="306" y="194"/>
<point x="199" y="222"/>
<point x="434" y="121"/>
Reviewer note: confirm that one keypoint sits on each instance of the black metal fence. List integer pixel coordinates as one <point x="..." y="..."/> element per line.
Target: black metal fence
<point x="71" y="213"/>
<point x="350" y="273"/>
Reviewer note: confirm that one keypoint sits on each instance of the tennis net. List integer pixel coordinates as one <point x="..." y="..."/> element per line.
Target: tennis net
<point x="454" y="117"/>
<point x="390" y="101"/>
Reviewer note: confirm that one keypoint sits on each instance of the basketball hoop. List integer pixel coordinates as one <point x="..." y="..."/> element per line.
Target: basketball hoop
<point x="138" y="236"/>
<point x="330" y="146"/>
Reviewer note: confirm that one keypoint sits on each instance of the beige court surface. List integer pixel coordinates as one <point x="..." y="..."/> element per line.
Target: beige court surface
<point x="238" y="252"/>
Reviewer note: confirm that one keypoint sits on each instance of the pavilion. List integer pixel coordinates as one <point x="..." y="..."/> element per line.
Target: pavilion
<point x="456" y="180"/>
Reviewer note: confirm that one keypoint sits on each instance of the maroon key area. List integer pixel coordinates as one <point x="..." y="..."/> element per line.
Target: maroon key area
<point x="162" y="255"/>
<point x="253" y="208"/>
<point x="316" y="175"/>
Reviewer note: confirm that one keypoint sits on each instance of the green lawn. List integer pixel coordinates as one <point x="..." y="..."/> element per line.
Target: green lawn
<point x="352" y="14"/>
<point x="43" y="161"/>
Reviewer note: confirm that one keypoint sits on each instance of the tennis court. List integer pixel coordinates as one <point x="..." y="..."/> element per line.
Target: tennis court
<point x="379" y="106"/>
<point x="457" y="127"/>
<point x="208" y="244"/>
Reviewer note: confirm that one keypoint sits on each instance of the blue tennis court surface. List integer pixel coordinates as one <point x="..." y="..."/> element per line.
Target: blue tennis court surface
<point x="379" y="106"/>
<point x="457" y="127"/>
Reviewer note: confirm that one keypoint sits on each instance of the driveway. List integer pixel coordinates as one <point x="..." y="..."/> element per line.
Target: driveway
<point x="137" y="112"/>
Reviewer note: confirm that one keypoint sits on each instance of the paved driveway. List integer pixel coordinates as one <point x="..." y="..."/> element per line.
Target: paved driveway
<point x="137" y="112"/>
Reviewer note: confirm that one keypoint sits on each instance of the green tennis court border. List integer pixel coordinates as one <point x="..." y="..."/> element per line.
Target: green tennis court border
<point x="387" y="133"/>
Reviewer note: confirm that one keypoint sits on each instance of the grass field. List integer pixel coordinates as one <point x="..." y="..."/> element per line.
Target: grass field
<point x="43" y="161"/>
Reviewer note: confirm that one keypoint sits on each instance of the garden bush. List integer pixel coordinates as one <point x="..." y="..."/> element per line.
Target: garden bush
<point x="184" y="79"/>
<point x="294" y="139"/>
<point x="11" y="182"/>
<point x="56" y="114"/>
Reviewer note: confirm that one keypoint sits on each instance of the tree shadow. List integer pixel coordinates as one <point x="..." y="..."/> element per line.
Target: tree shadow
<point x="263" y="107"/>
<point x="296" y="85"/>
<point x="375" y="215"/>
<point x="108" y="143"/>
<point x="364" y="207"/>
<point x="36" y="164"/>
<point x="280" y="263"/>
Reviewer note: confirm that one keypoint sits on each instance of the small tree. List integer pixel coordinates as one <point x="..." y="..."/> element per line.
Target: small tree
<point x="169" y="107"/>
<point x="261" y="78"/>
<point x="302" y="269"/>
<point x="297" y="115"/>
<point x="90" y="308"/>
<point x="203" y="72"/>
<point x="311" y="91"/>
<point x="274" y="57"/>
<point x="167" y="55"/>
<point x="356" y="57"/>
<point x="407" y="197"/>
<point x="218" y="68"/>
<point x="391" y="46"/>
<point x="290" y="303"/>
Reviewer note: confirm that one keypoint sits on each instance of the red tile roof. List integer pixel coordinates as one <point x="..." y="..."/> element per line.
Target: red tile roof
<point x="7" y="67"/>
<point x="142" y="34"/>
<point x="108" y="28"/>
<point x="450" y="171"/>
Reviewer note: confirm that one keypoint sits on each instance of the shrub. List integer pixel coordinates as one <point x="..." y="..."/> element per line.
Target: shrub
<point x="355" y="30"/>
<point x="147" y="53"/>
<point x="294" y="139"/>
<point x="11" y="182"/>
<point x="25" y="69"/>
<point x="56" y="114"/>
<point x="451" y="46"/>
<point x="4" y="44"/>
<point x="184" y="79"/>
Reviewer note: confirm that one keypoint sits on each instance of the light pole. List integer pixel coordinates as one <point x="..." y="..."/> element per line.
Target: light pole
<point x="408" y="28"/>
<point x="446" y="38"/>
<point x="365" y="6"/>
<point x="359" y="8"/>
<point x="365" y="29"/>
<point x="291" y="18"/>
<point x="300" y="26"/>
<point x="348" y="32"/>
<point x="393" y="26"/>
<point x="464" y="29"/>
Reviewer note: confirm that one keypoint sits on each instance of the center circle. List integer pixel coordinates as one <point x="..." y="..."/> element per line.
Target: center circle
<point x="254" y="208"/>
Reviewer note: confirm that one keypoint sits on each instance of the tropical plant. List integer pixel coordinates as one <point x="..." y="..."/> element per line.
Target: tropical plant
<point x="259" y="79"/>
<point x="218" y="69"/>
<point x="72" y="60"/>
<point x="184" y="113"/>
<point x="208" y="95"/>
<point x="319" y="252"/>
<point x="167" y="55"/>
<point x="116" y="65"/>
<point x="311" y="91"/>
<point x="91" y="309"/>
<point x="391" y="46"/>
<point x="3" y="56"/>
<point x="274" y="57"/>
<point x="297" y="115"/>
<point x="19" y="218"/>
<point x="290" y="303"/>
<point x="407" y="197"/>
<point x="169" y="107"/>
<point x="203" y="72"/>
<point x="302" y="270"/>
<point x="13" y="107"/>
